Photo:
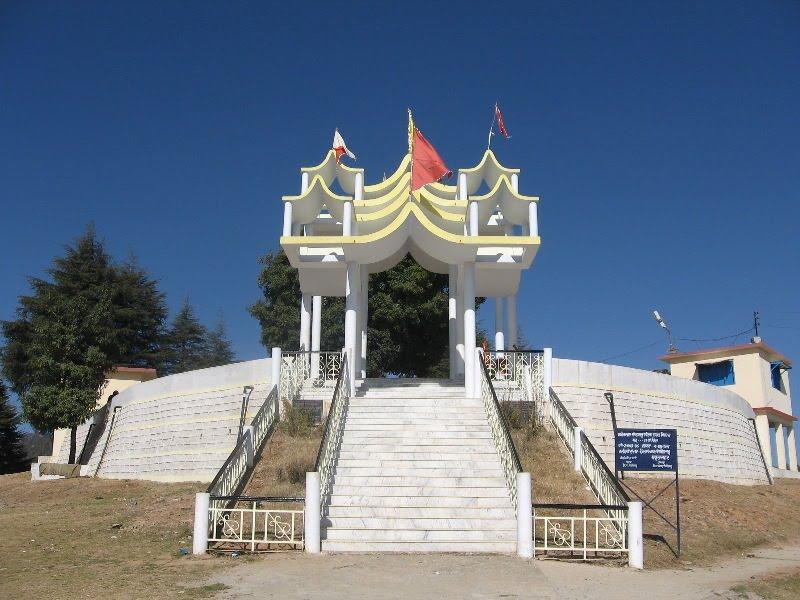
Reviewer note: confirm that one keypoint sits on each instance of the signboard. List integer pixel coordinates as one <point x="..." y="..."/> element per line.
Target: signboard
<point x="646" y="450"/>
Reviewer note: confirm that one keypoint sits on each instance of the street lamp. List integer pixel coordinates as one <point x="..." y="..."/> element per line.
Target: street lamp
<point x="663" y="325"/>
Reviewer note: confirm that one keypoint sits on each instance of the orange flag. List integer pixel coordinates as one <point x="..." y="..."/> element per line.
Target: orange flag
<point x="426" y="164"/>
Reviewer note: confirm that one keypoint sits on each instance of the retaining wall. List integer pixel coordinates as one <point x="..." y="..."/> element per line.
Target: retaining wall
<point x="716" y="436"/>
<point x="180" y="427"/>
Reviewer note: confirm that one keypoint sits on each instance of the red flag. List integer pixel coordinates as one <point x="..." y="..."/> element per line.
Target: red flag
<point x="500" y="125"/>
<point x="426" y="164"/>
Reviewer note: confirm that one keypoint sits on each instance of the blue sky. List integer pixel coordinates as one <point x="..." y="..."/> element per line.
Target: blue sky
<point x="661" y="137"/>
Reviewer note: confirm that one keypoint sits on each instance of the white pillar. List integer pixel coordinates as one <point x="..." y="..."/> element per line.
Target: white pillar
<point x="304" y="182"/>
<point x="499" y="335"/>
<point x="347" y="219"/>
<point x="477" y="371"/>
<point x="762" y="428"/>
<point x="635" y="542"/>
<point x="780" y="446"/>
<point x="511" y="317"/>
<point x="578" y="455"/>
<point x="792" y="447"/>
<point x="316" y="331"/>
<point x="469" y="329"/>
<point x="312" y="516"/>
<point x="460" y="322"/>
<point x="352" y="289"/>
<point x="287" y="218"/>
<point x="547" y="367"/>
<point x="473" y="218"/>
<point x="462" y="186"/>
<point x="533" y="219"/>
<point x="200" y="534"/>
<point x="363" y="320"/>
<point x="452" y="325"/>
<point x="524" y="516"/>
<point x="305" y="322"/>
<point x="515" y="182"/>
<point x="359" y="186"/>
<point x="275" y="369"/>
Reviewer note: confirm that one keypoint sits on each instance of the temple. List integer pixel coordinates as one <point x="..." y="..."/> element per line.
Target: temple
<point x="483" y="241"/>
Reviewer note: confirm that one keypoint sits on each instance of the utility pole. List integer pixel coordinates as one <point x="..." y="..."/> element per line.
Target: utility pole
<point x="756" y="321"/>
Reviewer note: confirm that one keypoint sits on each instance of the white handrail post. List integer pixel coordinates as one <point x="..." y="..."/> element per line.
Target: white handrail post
<point x="547" y="367"/>
<point x="312" y="517"/>
<point x="578" y="454"/>
<point x="276" y="378"/>
<point x="524" y="516"/>
<point x="477" y="384"/>
<point x="200" y="535"/>
<point x="635" y="544"/>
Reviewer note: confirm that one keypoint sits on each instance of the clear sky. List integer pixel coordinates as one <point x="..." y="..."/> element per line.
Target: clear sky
<point x="661" y="137"/>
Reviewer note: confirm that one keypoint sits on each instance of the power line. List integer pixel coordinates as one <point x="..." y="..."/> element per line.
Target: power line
<point x="719" y="339"/>
<point x="658" y="341"/>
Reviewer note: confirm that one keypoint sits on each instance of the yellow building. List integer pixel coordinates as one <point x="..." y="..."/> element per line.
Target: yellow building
<point x="759" y="374"/>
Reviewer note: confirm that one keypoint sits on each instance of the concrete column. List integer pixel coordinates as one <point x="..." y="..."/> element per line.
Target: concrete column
<point x="499" y="335"/>
<point x="780" y="446"/>
<point x="578" y="456"/>
<point x="363" y="320"/>
<point x="359" y="186"/>
<point x="547" y="364"/>
<point x="316" y="331"/>
<point x="511" y="317"/>
<point x="533" y="219"/>
<point x="305" y="322"/>
<point x="792" y="447"/>
<point x="287" y="218"/>
<point x="635" y="542"/>
<point x="477" y="371"/>
<point x="473" y="219"/>
<point x="347" y="219"/>
<point x="452" y="325"/>
<point x="275" y="369"/>
<point x="462" y="186"/>
<point x="304" y="182"/>
<point x="312" y="516"/>
<point x="762" y="428"/>
<point x="524" y="516"/>
<point x="515" y="182"/>
<point x="200" y="534"/>
<point x="352" y="301"/>
<point x="469" y="328"/>
<point x="460" y="322"/>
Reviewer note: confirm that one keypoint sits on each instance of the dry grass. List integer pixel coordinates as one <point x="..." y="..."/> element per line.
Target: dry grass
<point x="95" y="538"/>
<point x="780" y="586"/>
<point x="281" y="471"/>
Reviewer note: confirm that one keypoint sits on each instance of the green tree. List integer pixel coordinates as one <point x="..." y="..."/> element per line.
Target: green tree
<point x="12" y="456"/>
<point x="218" y="347"/>
<point x="407" y="329"/>
<point x="187" y="342"/>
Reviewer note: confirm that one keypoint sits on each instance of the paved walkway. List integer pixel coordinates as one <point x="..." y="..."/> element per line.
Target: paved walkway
<point x="384" y="576"/>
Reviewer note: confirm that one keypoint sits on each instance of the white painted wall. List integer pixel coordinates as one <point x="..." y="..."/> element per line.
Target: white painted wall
<point x="716" y="438"/>
<point x="180" y="427"/>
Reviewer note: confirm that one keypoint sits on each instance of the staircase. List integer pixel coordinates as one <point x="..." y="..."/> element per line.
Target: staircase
<point x="417" y="471"/>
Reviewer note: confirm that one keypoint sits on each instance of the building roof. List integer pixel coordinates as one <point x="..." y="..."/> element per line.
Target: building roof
<point x="142" y="370"/>
<point x="761" y="347"/>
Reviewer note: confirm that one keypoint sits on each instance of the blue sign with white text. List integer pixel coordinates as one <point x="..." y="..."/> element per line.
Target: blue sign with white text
<point x="646" y="450"/>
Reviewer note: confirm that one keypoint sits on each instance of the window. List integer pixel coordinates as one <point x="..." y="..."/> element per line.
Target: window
<point x="775" y="373"/>
<point x="720" y="373"/>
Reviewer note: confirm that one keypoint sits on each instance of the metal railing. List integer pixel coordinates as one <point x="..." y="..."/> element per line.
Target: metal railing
<point x="298" y="369"/>
<point x="501" y="434"/>
<point x="334" y="429"/>
<point x="518" y="376"/>
<point x="581" y="533"/>
<point x="233" y="474"/>
<point x="244" y="522"/>
<point x="594" y="469"/>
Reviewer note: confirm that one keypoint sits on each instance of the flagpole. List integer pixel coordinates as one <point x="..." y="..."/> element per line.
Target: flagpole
<point x="491" y="127"/>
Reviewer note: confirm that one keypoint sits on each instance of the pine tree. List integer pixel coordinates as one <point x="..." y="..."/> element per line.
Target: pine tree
<point x="218" y="347"/>
<point x="187" y="342"/>
<point x="12" y="456"/>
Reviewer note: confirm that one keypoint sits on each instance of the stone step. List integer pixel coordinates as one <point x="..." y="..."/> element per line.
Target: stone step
<point x="399" y="435"/>
<point x="391" y="525"/>
<point x="411" y="454"/>
<point x="419" y="472"/>
<point x="423" y="502"/>
<point x="385" y="480"/>
<point x="409" y="400"/>
<point x="492" y="462"/>
<point x="398" y="411"/>
<point x="419" y="535"/>
<point x="371" y="491"/>
<point x="469" y="445"/>
<point x="505" y="547"/>
<point x="418" y="512"/>
<point x="414" y="427"/>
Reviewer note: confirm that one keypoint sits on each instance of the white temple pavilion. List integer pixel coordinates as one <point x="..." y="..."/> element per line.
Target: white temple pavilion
<point x="483" y="241"/>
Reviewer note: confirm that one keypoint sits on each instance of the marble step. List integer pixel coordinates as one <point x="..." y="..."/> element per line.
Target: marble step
<point x="494" y="472"/>
<point x="433" y="463"/>
<point x="430" y="444"/>
<point x="421" y="502"/>
<point x="420" y="535"/>
<point x="417" y="512"/>
<point x="405" y="400"/>
<point x="505" y="547"/>
<point x="389" y="525"/>
<point x="470" y="455"/>
<point x="413" y="427"/>
<point x="416" y="412"/>
<point x="394" y="491"/>
<point x="384" y="480"/>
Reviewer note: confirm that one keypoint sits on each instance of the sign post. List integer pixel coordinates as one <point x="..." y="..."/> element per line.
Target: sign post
<point x="650" y="450"/>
